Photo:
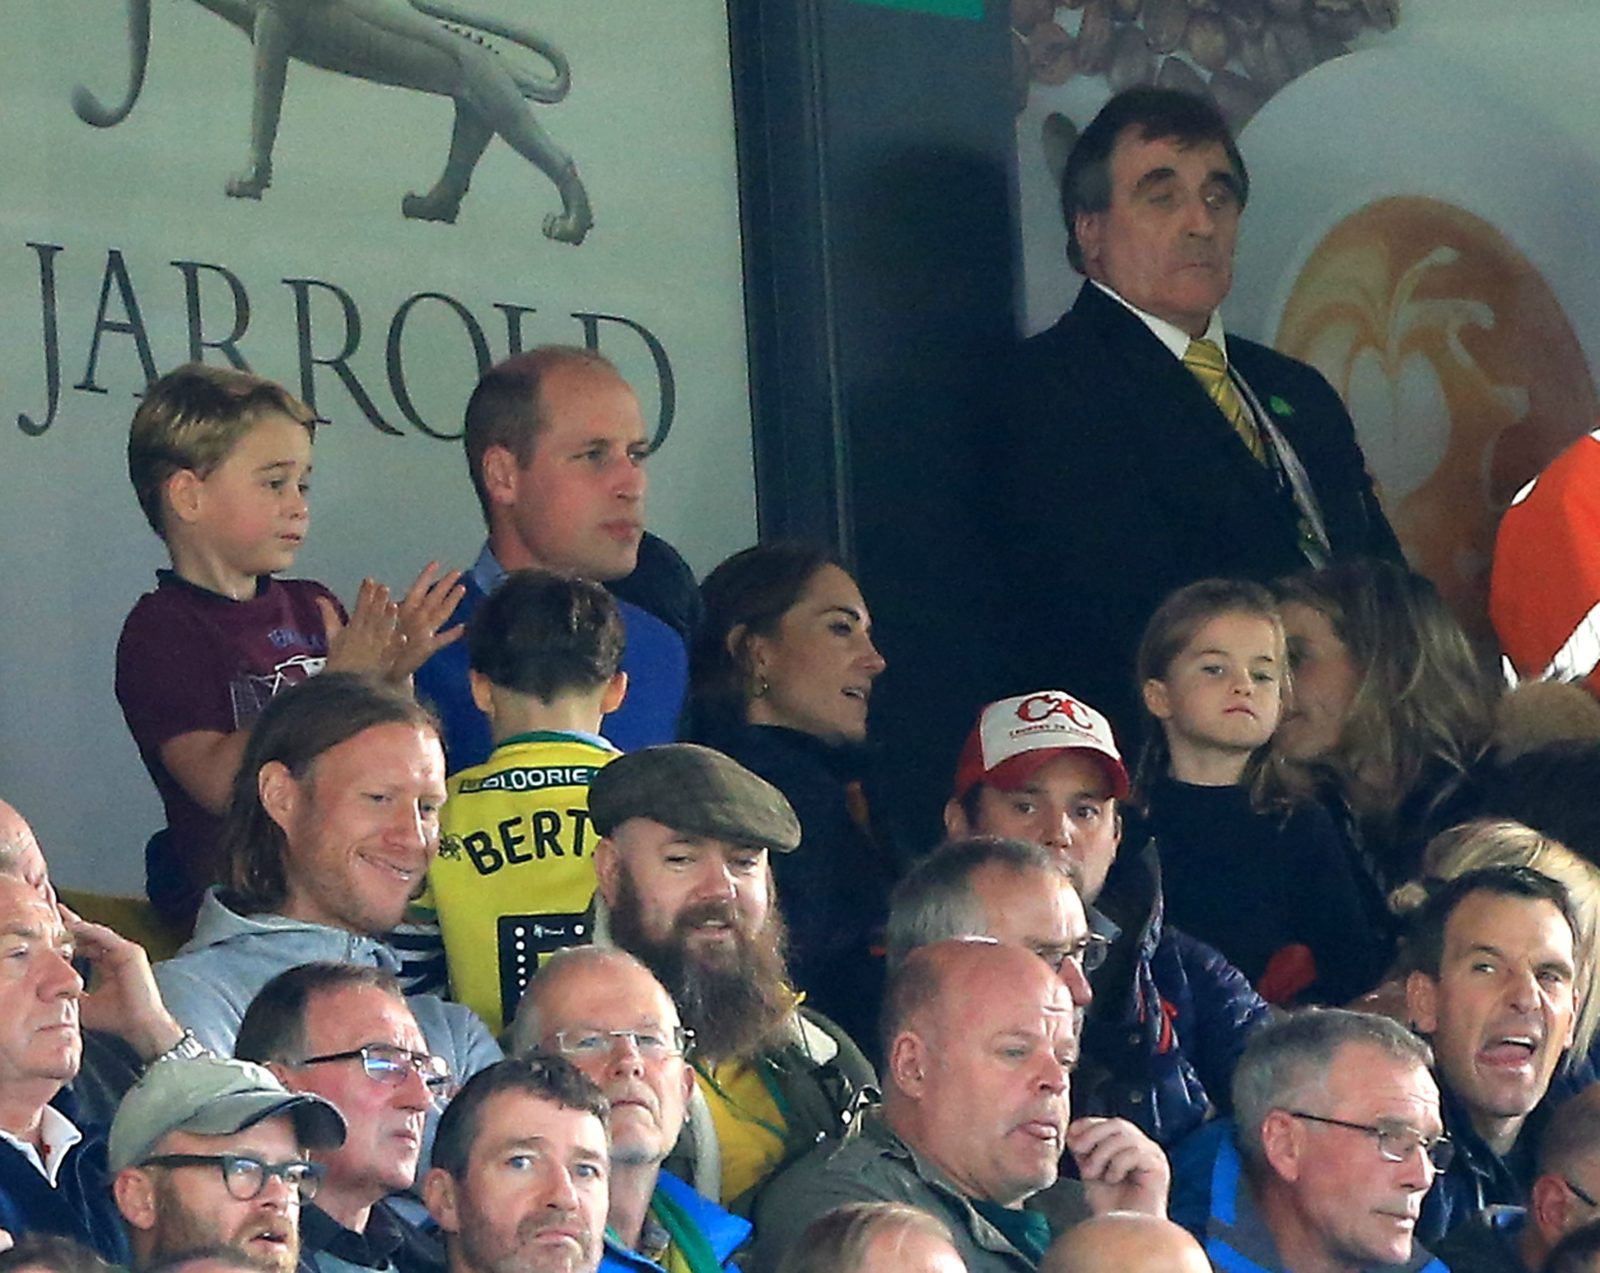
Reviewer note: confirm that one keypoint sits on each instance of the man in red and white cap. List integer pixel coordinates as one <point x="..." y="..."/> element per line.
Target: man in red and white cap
<point x="1170" y="1015"/>
<point x="1043" y="767"/>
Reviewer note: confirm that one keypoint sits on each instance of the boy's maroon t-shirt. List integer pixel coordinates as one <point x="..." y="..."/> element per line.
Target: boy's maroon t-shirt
<point x="190" y="659"/>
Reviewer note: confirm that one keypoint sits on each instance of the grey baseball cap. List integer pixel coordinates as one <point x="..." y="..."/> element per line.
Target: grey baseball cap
<point x="696" y="790"/>
<point x="213" y="1096"/>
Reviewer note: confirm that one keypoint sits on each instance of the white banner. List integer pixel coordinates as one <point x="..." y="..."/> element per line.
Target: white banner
<point x="365" y="275"/>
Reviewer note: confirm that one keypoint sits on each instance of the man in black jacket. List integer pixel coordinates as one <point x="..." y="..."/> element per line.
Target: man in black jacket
<point x="1137" y="447"/>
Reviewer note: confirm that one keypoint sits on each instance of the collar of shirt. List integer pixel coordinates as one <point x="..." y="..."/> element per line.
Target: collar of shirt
<point x="374" y="1249"/>
<point x="487" y="572"/>
<point x="1173" y="337"/>
<point x="57" y="1134"/>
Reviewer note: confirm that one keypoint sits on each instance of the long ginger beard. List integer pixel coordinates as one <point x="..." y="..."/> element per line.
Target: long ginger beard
<point x="735" y="998"/>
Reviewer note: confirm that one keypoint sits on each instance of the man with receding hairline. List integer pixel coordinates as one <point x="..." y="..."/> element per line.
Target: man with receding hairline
<point x="1125" y="1242"/>
<point x="556" y="447"/>
<point x="604" y="1011"/>
<point x="979" y="1048"/>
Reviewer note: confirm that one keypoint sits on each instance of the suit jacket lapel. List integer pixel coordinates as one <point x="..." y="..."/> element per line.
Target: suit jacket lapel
<point x="1170" y="418"/>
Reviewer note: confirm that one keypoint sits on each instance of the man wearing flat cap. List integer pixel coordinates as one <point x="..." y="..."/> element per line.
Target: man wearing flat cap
<point x="684" y="884"/>
<point x="211" y="1152"/>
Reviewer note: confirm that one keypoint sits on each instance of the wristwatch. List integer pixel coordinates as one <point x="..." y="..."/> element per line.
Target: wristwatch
<point x="187" y="1048"/>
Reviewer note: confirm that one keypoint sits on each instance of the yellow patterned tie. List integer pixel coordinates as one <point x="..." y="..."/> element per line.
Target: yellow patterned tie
<point x="1211" y="370"/>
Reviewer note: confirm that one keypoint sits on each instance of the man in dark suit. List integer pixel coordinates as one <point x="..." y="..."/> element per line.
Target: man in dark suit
<point x="1138" y="447"/>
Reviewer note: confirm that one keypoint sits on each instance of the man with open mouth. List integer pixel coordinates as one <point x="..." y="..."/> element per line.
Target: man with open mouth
<point x="210" y="1151"/>
<point x="1496" y="959"/>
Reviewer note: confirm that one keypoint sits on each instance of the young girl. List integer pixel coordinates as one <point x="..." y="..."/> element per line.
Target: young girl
<point x="1245" y="866"/>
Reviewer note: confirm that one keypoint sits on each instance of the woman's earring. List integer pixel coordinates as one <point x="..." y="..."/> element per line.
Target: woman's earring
<point x="761" y="687"/>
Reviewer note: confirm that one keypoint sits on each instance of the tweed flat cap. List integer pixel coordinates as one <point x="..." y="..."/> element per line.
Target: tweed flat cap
<point x="696" y="790"/>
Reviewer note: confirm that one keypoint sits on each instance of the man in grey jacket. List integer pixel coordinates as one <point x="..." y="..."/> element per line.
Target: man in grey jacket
<point x="333" y="822"/>
<point x="979" y="1047"/>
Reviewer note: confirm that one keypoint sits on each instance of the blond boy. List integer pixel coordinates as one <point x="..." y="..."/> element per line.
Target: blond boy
<point x="220" y="461"/>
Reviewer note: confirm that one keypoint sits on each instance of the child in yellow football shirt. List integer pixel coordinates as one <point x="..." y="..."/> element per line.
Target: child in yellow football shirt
<point x="514" y="879"/>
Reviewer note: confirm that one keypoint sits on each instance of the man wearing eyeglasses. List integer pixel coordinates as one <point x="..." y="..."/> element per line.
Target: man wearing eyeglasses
<point x="210" y="1151"/>
<point x="606" y="1013"/>
<point x="1335" y="1141"/>
<point x="1170" y="1015"/>
<point x="345" y="1033"/>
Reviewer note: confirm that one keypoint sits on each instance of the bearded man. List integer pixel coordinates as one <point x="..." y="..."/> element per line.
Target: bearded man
<point x="684" y="885"/>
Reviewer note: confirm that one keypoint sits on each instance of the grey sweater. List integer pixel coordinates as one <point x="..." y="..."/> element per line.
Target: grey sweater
<point x="209" y="983"/>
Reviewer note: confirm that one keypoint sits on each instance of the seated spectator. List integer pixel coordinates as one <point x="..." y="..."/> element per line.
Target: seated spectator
<point x="605" y="1012"/>
<point x="334" y="820"/>
<point x="515" y="876"/>
<point x="1010" y="890"/>
<point x="1125" y="1242"/>
<point x="1335" y="1140"/>
<point x="519" y="1177"/>
<point x="979" y="1048"/>
<point x="1486" y="842"/>
<point x="1492" y="963"/>
<point x="683" y="875"/>
<point x="1509" y="1239"/>
<point x="556" y="448"/>
<point x="345" y="1033"/>
<point x="53" y="1175"/>
<point x="874" y="1237"/>
<point x="1246" y="865"/>
<point x="780" y="679"/>
<point x="124" y="1024"/>
<point x="1170" y="1015"/>
<point x="1391" y="711"/>
<point x="220" y="462"/>
<point x="209" y="1150"/>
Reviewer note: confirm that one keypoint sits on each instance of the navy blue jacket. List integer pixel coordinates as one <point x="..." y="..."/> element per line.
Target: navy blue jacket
<point x="80" y="1204"/>
<point x="834" y="889"/>
<point x="1170" y="1015"/>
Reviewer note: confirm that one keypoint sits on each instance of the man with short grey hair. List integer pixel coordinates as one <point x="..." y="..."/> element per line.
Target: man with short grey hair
<point x="605" y="1012"/>
<point x="1335" y="1141"/>
<point x="1011" y="890"/>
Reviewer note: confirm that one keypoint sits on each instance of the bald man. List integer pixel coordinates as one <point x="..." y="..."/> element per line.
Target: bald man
<point x="125" y="1025"/>
<point x="980" y="1042"/>
<point x="1125" y="1242"/>
<point x="20" y="854"/>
